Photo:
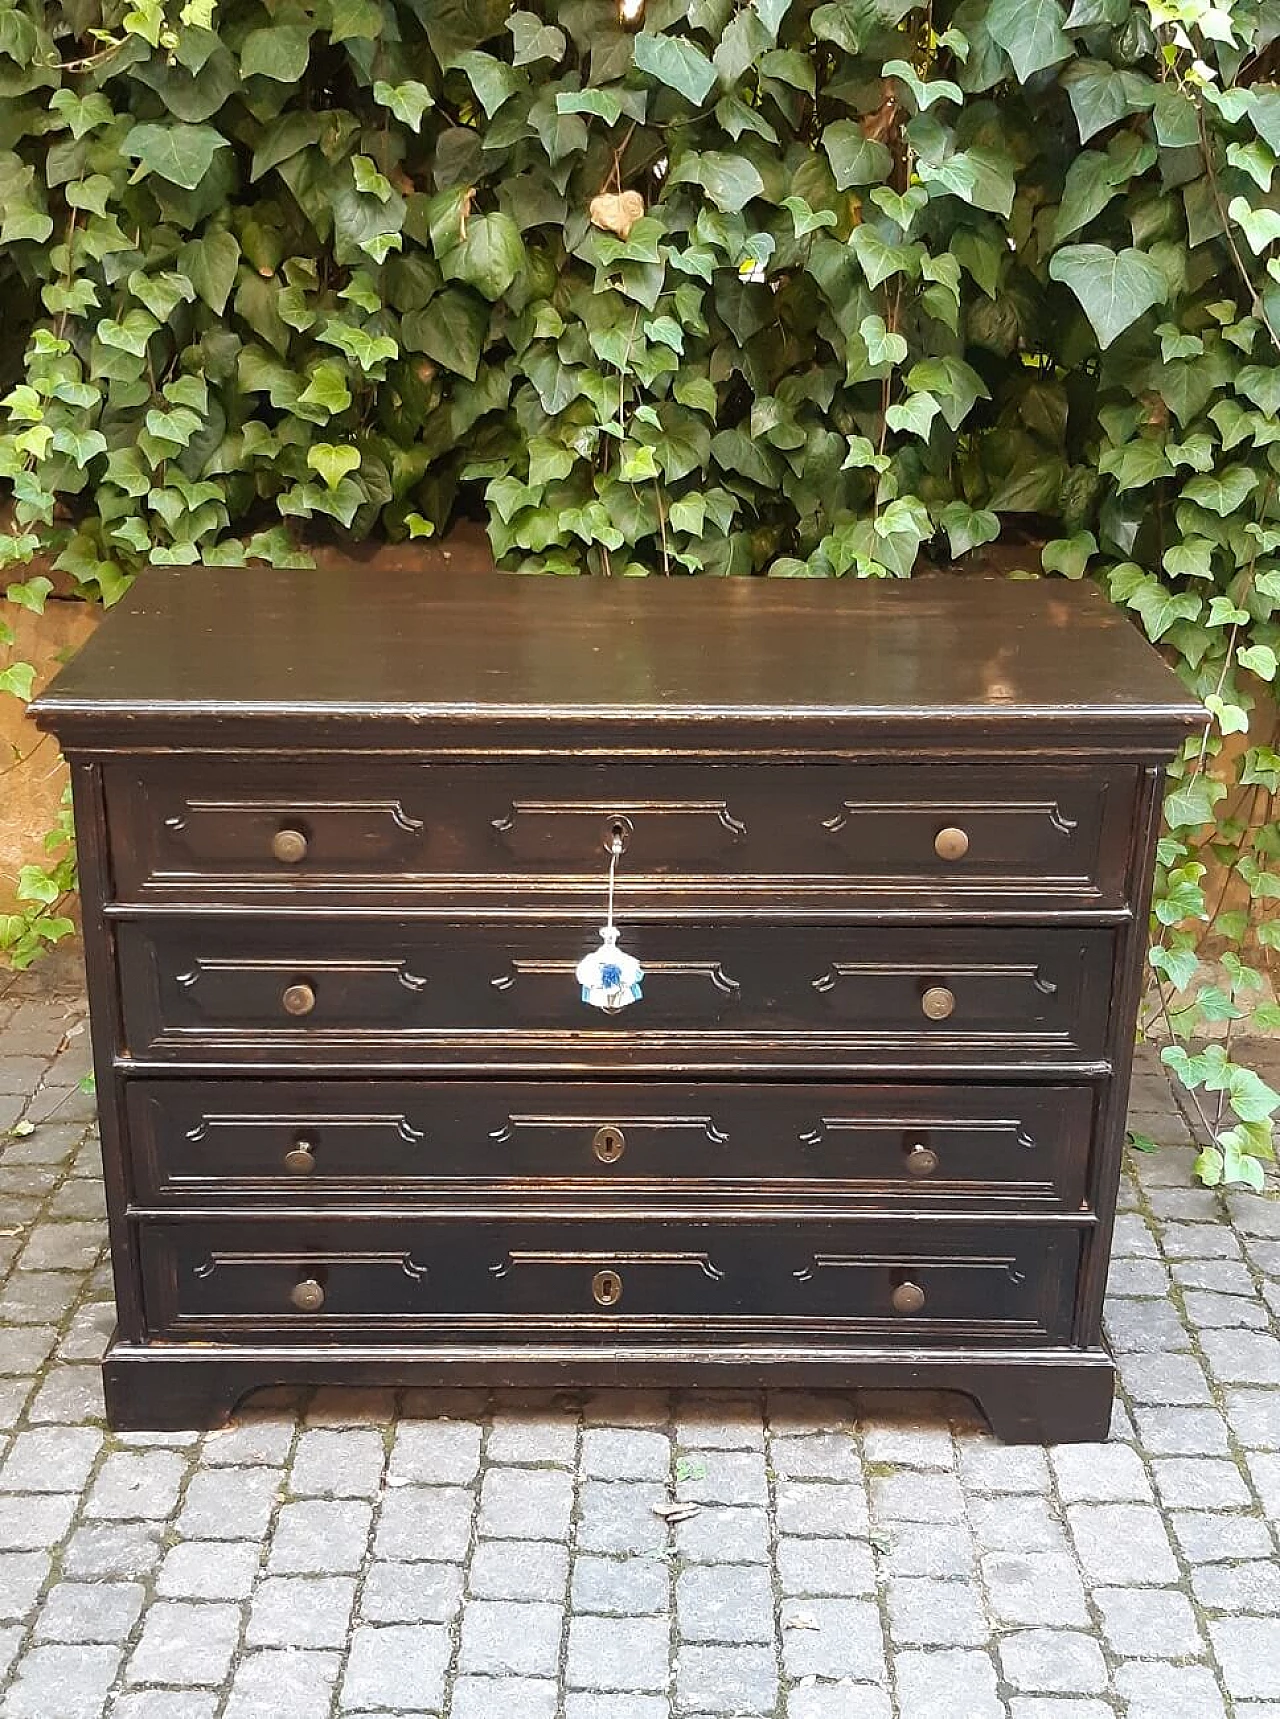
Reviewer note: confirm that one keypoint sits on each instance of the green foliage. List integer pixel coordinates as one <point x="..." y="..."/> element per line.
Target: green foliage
<point x="756" y="286"/>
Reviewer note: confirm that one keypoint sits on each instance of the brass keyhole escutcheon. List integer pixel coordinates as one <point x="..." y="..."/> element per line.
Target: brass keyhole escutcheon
<point x="938" y="1003"/>
<point x="907" y="1298"/>
<point x="617" y="833"/>
<point x="307" y="1295"/>
<point x="300" y="1159"/>
<point x="922" y="1160"/>
<point x="608" y="1143"/>
<point x="951" y="843"/>
<point x="298" y="999"/>
<point x="289" y="846"/>
<point x="606" y="1288"/>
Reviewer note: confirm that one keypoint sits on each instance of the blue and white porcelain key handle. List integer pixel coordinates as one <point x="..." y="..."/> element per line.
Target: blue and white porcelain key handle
<point x="610" y="979"/>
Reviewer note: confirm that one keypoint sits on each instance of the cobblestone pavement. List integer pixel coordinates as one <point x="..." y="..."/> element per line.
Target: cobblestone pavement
<point x="447" y="1554"/>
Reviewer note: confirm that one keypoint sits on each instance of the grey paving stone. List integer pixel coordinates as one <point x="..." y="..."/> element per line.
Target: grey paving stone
<point x="68" y="1394"/>
<point x="1208" y="1537"/>
<point x="66" y="1682"/>
<point x="1058" y="1707"/>
<point x="622" y="1587"/>
<point x="1242" y="1357"/>
<point x="301" y="1611"/>
<point x="411" y="1593"/>
<point x="1264" y="1471"/>
<point x="13" y="1399"/>
<point x="430" y="1523"/>
<point x="592" y="1706"/>
<point x="89" y="1611"/>
<point x="185" y="1642"/>
<point x="281" y="1683"/>
<point x="1148" y="1623"/>
<point x="1156" y="1691"/>
<point x="50" y="1459"/>
<point x="435" y="1453"/>
<point x="1053" y="1661"/>
<point x="1226" y="1276"/>
<point x="229" y="1504"/>
<point x="1133" y="1238"/>
<point x="127" y="1549"/>
<point x="503" y="1698"/>
<point x="618" y="1653"/>
<point x="140" y="1485"/>
<point x="338" y="1463"/>
<point x="165" y="1704"/>
<point x="29" y="1523"/>
<point x="1199" y="1483"/>
<point x="711" y="1420"/>
<point x="722" y="1477"/>
<point x="832" y="1639"/>
<point x="1182" y="1432"/>
<point x="1168" y="1379"/>
<point x="834" y="1567"/>
<point x="401" y="1667"/>
<point x="838" y="1701"/>
<point x="916" y="1498"/>
<point x="730" y="1603"/>
<point x="1122" y="1543"/>
<point x="64" y="1247"/>
<point x="36" y="1297"/>
<point x="1136" y="1277"/>
<point x="1255" y="1418"/>
<point x="821" y="1507"/>
<point x="626" y="1453"/>
<point x="736" y="1680"/>
<point x="818" y="1456"/>
<point x="1252" y="1587"/>
<point x="946" y="1683"/>
<point x="1248" y="1650"/>
<point x="519" y="1570"/>
<point x="253" y="1440"/>
<point x="22" y="1575"/>
<point x="1208" y="1311"/>
<point x="927" y="1549"/>
<point x="617" y="1516"/>
<point x="986" y="1466"/>
<point x="525" y="1503"/>
<point x="26" y="1348"/>
<point x="533" y="1438"/>
<point x="724" y="1534"/>
<point x="1021" y="1524"/>
<point x="1141" y="1326"/>
<point x="321" y="1536"/>
<point x="910" y="1446"/>
<point x="503" y="1638"/>
<point x="208" y="1570"/>
<point x="1100" y="1472"/>
<point x="1035" y="1588"/>
<point x="925" y="1612"/>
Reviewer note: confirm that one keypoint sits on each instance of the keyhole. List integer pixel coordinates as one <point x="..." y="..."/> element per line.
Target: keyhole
<point x="606" y="1288"/>
<point x="608" y="1143"/>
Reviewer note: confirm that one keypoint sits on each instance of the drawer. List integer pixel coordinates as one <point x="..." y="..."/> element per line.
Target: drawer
<point x="476" y="1277"/>
<point x="905" y="1147"/>
<point x="431" y="996"/>
<point x="303" y="832"/>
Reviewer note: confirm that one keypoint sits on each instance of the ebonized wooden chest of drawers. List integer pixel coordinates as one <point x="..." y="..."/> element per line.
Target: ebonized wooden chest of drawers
<point x="883" y="851"/>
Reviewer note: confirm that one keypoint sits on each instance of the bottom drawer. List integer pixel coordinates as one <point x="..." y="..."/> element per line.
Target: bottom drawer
<point x="472" y="1278"/>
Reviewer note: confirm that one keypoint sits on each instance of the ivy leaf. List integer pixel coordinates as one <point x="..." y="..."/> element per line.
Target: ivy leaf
<point x="882" y="346"/>
<point x="805" y="219"/>
<point x="18" y="679"/>
<point x="210" y="264"/>
<point x="677" y="64"/>
<point x="131" y="333"/>
<point x="1191" y="803"/>
<point x="451" y="330"/>
<point x="327" y="389"/>
<point x="1030" y="32"/>
<point x="1222" y="492"/>
<point x="1261" y="227"/>
<point x="1069" y="556"/>
<point x="407" y="101"/>
<point x="533" y="40"/>
<point x="31" y="595"/>
<point x="914" y="415"/>
<point x="981" y="177"/>
<point x="967" y="528"/>
<point x="280" y="52"/>
<point x="730" y="181"/>
<point x="848" y="23"/>
<point x="182" y="154"/>
<point x="1259" y="660"/>
<point x="489" y="257"/>
<point x="1114" y="288"/>
<point x="332" y="462"/>
<point x="855" y="158"/>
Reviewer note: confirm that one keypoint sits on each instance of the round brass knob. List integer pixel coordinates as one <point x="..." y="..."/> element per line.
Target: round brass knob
<point x="617" y="832"/>
<point x="951" y="843"/>
<point x="300" y="1159"/>
<point x="907" y="1298"/>
<point x="298" y="999"/>
<point x="608" y="1143"/>
<point x="606" y="1288"/>
<point x="289" y="846"/>
<point x="938" y="1002"/>
<point x="922" y="1160"/>
<point x="307" y="1295"/>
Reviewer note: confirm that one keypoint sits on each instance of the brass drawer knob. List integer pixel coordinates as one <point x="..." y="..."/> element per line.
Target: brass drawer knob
<point x="951" y="843"/>
<point x="922" y="1160"/>
<point x="298" y="999"/>
<point x="289" y="846"/>
<point x="606" y="1288"/>
<point x="616" y="834"/>
<point x="938" y="1003"/>
<point x="907" y="1298"/>
<point x="608" y="1143"/>
<point x="307" y="1295"/>
<point x="300" y="1159"/>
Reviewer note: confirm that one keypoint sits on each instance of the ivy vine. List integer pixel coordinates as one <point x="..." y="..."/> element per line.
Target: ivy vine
<point x="721" y="287"/>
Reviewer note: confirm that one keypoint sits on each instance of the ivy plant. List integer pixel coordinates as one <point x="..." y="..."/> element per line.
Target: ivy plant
<point x="795" y="288"/>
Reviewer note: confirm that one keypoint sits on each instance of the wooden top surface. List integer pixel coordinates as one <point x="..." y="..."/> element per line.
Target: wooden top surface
<point x="406" y="651"/>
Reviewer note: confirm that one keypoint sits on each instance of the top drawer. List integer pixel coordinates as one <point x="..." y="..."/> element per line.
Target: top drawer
<point x="909" y="837"/>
